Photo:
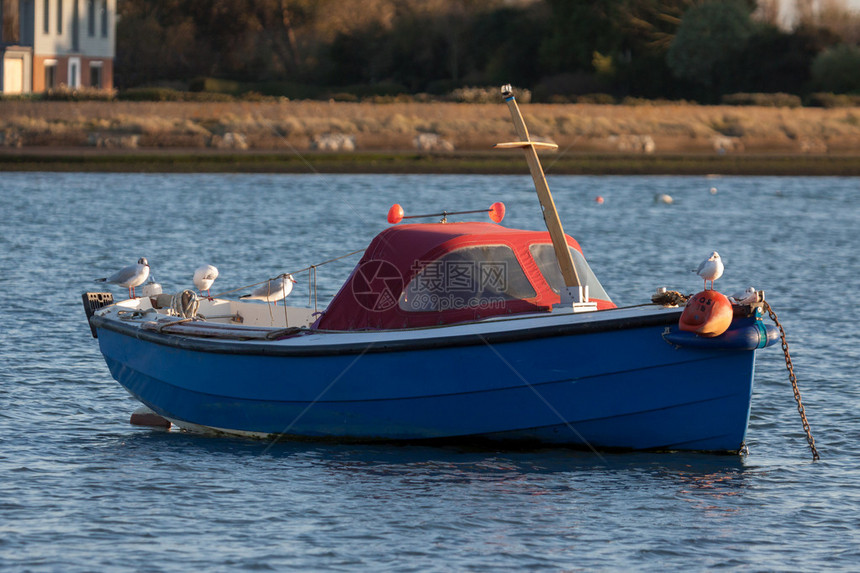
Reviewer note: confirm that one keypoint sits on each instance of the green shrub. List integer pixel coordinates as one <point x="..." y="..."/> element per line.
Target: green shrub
<point x="490" y="94"/>
<point x="289" y="90"/>
<point x="208" y="97"/>
<point x="169" y="94"/>
<point x="399" y="98"/>
<point x="214" y="85"/>
<point x="640" y="102"/>
<point x="151" y="94"/>
<point x="78" y="94"/>
<point x="602" y="99"/>
<point x="763" y="100"/>
<point x="829" y="100"/>
<point x="344" y="97"/>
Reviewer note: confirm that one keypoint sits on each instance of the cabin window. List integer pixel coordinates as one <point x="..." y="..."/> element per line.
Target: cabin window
<point x="479" y="278"/>
<point x="544" y="256"/>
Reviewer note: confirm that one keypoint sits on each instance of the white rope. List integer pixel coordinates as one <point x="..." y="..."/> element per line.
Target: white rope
<point x="185" y="304"/>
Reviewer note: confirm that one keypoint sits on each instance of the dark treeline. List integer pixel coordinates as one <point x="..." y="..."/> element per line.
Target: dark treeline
<point x="559" y="49"/>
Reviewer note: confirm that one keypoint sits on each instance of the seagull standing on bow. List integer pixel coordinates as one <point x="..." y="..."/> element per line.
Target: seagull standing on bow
<point x="204" y="277"/>
<point x="711" y="269"/>
<point x="272" y="290"/>
<point x="747" y="297"/>
<point x="130" y="276"/>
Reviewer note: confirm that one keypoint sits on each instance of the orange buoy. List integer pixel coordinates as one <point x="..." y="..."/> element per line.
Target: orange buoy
<point x="708" y="313"/>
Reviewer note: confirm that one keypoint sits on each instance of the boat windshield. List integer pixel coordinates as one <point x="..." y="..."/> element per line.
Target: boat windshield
<point x="544" y="256"/>
<point x="470" y="277"/>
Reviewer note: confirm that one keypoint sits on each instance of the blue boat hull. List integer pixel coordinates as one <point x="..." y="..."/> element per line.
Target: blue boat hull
<point x="614" y="388"/>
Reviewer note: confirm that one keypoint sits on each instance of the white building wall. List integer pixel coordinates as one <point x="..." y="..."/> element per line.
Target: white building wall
<point x="97" y="45"/>
<point x="788" y="13"/>
<point x="62" y="43"/>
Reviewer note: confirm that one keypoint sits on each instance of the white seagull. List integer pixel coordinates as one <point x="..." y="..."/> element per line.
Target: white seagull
<point x="204" y="277"/>
<point x="130" y="276"/>
<point x="748" y="296"/>
<point x="711" y="269"/>
<point x="272" y="290"/>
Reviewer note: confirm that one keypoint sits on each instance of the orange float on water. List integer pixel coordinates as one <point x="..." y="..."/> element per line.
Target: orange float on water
<point x="708" y="313"/>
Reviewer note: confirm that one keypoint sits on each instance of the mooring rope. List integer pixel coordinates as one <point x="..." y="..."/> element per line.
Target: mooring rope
<point x="185" y="304"/>
<point x="670" y="298"/>
<point x="793" y="379"/>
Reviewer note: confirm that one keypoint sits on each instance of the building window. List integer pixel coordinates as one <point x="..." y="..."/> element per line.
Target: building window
<point x="74" y="73"/>
<point x="104" y="15"/>
<point x="91" y="18"/>
<point x="27" y="22"/>
<point x="96" y="75"/>
<point x="50" y="74"/>
<point x="46" y="16"/>
<point x="76" y="27"/>
<point x="59" y="17"/>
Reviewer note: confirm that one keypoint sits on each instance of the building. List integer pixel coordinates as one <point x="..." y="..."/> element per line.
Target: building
<point x="47" y="44"/>
<point x="788" y="14"/>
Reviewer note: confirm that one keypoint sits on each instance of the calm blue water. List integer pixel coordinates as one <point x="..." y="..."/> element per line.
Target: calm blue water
<point x="82" y="490"/>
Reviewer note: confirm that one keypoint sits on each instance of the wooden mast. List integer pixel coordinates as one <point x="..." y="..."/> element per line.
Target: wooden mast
<point x="550" y="214"/>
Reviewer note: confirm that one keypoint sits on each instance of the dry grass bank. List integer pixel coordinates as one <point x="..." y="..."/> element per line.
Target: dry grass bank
<point x="306" y="125"/>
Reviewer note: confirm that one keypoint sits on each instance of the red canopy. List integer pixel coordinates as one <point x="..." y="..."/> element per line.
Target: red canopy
<point x="441" y="273"/>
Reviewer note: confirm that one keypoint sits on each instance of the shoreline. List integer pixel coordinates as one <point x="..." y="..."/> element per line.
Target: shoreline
<point x="410" y="162"/>
<point x="337" y="137"/>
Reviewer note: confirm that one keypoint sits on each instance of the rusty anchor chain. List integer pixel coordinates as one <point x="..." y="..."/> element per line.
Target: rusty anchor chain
<point x="793" y="379"/>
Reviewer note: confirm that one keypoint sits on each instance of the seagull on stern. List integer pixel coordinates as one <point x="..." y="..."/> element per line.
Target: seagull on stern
<point x="272" y="290"/>
<point x="130" y="277"/>
<point x="204" y="277"/>
<point x="711" y="269"/>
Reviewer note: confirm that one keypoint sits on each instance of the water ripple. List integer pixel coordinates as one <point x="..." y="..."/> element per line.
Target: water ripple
<point x="82" y="490"/>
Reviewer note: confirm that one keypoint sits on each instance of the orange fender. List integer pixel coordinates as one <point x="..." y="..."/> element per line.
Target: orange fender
<point x="708" y="314"/>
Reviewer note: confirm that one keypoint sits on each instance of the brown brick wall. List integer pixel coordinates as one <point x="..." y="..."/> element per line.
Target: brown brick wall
<point x="62" y="72"/>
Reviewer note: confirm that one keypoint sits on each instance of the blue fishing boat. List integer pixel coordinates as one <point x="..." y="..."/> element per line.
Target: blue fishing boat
<point x="450" y="331"/>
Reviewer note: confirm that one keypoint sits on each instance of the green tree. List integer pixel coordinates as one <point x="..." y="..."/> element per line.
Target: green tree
<point x="577" y="30"/>
<point x="503" y="46"/>
<point x="156" y="41"/>
<point x="711" y="35"/>
<point x="777" y="61"/>
<point x="648" y="28"/>
<point x="835" y="70"/>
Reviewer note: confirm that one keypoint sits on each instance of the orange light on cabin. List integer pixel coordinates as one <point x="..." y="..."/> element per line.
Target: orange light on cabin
<point x="395" y="214"/>
<point x="497" y="212"/>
